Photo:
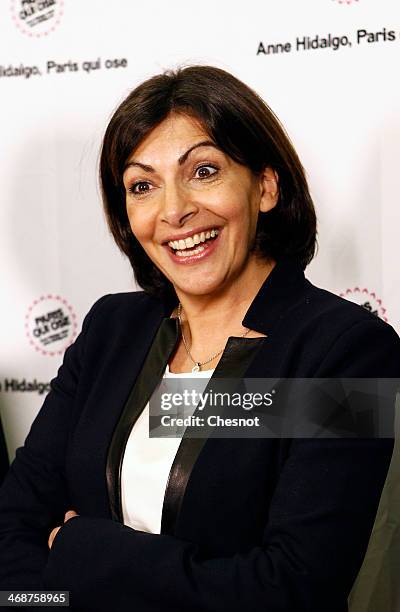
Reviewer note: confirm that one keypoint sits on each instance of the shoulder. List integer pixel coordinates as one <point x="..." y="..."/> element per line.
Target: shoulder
<point x="115" y="316"/>
<point x="113" y="323"/>
<point x="350" y="334"/>
<point x="329" y="310"/>
<point x="317" y="333"/>
<point x="123" y="306"/>
<point x="127" y="299"/>
<point x="324" y="304"/>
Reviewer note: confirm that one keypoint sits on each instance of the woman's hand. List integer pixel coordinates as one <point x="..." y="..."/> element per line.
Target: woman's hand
<point x="69" y="514"/>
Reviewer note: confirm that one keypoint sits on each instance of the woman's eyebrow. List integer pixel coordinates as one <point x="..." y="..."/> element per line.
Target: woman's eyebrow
<point x="203" y="143"/>
<point x="181" y="159"/>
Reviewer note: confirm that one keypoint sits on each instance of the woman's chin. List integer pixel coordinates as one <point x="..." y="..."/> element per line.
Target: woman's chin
<point x="198" y="287"/>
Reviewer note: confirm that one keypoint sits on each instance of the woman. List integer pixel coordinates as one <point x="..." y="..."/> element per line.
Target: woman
<point x="206" y="196"/>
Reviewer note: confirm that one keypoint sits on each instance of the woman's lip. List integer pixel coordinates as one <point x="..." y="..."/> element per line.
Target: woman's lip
<point x="192" y="232"/>
<point x="209" y="248"/>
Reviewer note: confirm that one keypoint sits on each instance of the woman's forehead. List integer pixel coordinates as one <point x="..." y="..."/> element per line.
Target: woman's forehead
<point x="174" y="136"/>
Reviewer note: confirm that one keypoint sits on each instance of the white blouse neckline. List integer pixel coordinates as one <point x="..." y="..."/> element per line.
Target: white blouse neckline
<point x="200" y="374"/>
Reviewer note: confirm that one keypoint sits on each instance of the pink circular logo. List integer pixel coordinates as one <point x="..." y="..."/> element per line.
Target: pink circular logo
<point x="367" y="299"/>
<point x="50" y="325"/>
<point x="37" y="18"/>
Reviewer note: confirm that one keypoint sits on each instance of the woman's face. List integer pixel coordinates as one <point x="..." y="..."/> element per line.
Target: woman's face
<point x="192" y="208"/>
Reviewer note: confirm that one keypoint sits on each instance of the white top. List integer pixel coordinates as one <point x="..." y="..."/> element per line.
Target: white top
<point x="145" y="469"/>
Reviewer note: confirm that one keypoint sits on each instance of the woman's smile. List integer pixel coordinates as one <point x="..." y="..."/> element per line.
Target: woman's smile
<point x="195" y="248"/>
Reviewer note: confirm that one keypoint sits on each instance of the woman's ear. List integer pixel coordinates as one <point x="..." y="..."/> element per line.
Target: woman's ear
<point x="269" y="189"/>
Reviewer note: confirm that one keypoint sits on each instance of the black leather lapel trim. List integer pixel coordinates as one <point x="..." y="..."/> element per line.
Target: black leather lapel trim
<point x="150" y="375"/>
<point x="234" y="363"/>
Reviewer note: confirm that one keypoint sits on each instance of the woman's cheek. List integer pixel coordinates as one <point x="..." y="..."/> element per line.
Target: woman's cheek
<point x="141" y="224"/>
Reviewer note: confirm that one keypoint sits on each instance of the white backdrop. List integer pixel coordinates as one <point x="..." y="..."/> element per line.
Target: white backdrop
<point x="59" y="84"/>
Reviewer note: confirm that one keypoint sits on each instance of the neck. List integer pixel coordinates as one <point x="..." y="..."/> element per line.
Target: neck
<point x="203" y="315"/>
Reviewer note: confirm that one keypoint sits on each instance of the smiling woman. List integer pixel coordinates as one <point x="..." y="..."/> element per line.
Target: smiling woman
<point x="186" y="191"/>
<point x="225" y="122"/>
<point x="206" y="196"/>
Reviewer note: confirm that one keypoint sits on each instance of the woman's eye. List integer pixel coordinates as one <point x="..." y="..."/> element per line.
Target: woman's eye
<point x="203" y="172"/>
<point x="139" y="188"/>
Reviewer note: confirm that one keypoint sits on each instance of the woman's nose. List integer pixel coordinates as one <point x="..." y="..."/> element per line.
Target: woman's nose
<point x="177" y="206"/>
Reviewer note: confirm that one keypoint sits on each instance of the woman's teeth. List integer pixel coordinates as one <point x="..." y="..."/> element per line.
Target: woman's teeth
<point x="184" y="247"/>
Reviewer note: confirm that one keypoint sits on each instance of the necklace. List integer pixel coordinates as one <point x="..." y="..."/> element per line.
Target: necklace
<point x="198" y="364"/>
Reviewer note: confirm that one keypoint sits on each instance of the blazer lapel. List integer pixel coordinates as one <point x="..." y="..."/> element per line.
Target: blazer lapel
<point x="234" y="363"/>
<point x="150" y="375"/>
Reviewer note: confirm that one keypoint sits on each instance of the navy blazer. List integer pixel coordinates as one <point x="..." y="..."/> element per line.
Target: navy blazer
<point x="255" y="525"/>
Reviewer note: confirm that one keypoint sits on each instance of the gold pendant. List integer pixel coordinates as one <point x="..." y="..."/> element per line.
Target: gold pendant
<point x="196" y="368"/>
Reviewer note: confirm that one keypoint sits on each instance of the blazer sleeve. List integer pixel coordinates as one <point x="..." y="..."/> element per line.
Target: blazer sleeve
<point x="316" y="533"/>
<point x="33" y="495"/>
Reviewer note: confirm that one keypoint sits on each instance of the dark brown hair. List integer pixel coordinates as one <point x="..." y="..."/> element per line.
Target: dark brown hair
<point x="243" y="126"/>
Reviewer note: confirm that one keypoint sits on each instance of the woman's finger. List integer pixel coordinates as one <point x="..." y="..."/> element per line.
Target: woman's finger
<point x="53" y="535"/>
<point x="69" y="514"/>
